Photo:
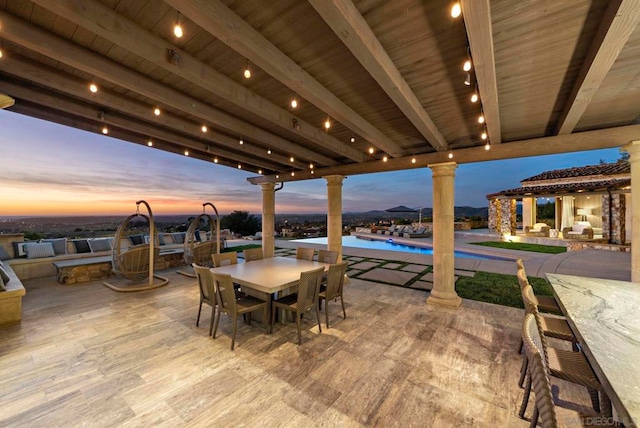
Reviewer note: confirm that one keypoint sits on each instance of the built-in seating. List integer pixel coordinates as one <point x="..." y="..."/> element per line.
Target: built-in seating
<point x="11" y="297"/>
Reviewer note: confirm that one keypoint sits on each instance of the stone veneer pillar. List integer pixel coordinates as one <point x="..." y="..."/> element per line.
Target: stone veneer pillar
<point x="444" y="290"/>
<point x="494" y="215"/>
<point x="334" y="214"/>
<point x="633" y="148"/>
<point x="268" y="219"/>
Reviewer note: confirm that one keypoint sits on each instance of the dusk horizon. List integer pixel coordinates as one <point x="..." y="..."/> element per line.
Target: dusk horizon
<point x="54" y="170"/>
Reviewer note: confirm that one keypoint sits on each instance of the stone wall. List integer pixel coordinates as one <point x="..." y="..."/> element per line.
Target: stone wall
<point x="494" y="214"/>
<point x="507" y="223"/>
<point x="584" y="245"/>
<point x="614" y="229"/>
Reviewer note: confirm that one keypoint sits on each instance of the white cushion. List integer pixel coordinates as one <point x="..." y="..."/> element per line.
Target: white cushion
<point x="578" y="228"/>
<point x="583" y="223"/>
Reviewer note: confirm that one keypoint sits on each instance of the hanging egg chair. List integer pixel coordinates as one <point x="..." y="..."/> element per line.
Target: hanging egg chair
<point x="135" y="263"/>
<point x="199" y="251"/>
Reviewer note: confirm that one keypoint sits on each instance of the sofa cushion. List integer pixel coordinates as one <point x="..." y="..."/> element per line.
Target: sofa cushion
<point x="578" y="228"/>
<point x="539" y="226"/>
<point x="59" y="245"/>
<point x="82" y="246"/>
<point x="179" y="237"/>
<point x="38" y="250"/>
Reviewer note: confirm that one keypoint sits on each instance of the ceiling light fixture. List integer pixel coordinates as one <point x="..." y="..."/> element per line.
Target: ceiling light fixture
<point x="156" y="111"/>
<point x="239" y="166"/>
<point x="467" y="65"/>
<point x="177" y="28"/>
<point x="310" y="166"/>
<point x="293" y="174"/>
<point x="456" y="10"/>
<point x="313" y="172"/>
<point x="277" y="176"/>
<point x="93" y="88"/>
<point x="204" y="128"/>
<point x="247" y="71"/>
<point x="105" y="130"/>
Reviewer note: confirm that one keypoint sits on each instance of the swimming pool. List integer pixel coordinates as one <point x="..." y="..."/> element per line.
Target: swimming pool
<point x="389" y="245"/>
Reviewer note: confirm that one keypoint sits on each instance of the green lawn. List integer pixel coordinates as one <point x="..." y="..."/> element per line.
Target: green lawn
<point x="498" y="288"/>
<point x="548" y="249"/>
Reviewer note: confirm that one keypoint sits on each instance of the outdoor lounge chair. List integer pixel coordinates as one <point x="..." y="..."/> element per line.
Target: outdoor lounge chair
<point x="391" y="229"/>
<point x="402" y="229"/>
<point x="580" y="230"/>
<point x="421" y="232"/>
<point x="538" y="229"/>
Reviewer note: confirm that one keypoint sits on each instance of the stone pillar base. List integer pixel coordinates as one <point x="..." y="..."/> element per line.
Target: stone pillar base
<point x="454" y="302"/>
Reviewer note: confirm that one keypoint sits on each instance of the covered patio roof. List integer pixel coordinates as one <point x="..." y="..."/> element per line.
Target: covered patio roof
<point x="563" y="189"/>
<point x="551" y="76"/>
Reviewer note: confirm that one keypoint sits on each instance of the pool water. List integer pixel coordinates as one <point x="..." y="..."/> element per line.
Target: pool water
<point x="389" y="245"/>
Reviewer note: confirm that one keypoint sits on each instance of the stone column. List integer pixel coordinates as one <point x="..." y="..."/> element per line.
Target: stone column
<point x="268" y="218"/>
<point x="444" y="292"/>
<point x="528" y="212"/>
<point x="633" y="148"/>
<point x="334" y="213"/>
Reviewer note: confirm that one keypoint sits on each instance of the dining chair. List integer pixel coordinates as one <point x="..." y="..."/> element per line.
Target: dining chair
<point x="233" y="307"/>
<point x="326" y="256"/>
<point x="305" y="253"/>
<point x="224" y="259"/>
<point x="567" y="365"/>
<point x="539" y="375"/>
<point x="303" y="301"/>
<point x="207" y="292"/>
<point x="335" y="286"/>
<point x="251" y="254"/>
<point x="545" y="303"/>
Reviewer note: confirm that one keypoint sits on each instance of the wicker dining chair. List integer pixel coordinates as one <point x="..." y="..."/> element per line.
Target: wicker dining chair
<point x="335" y="285"/>
<point x="224" y="259"/>
<point x="567" y="365"/>
<point x="251" y="254"/>
<point x="230" y="305"/>
<point x="545" y="303"/>
<point x="207" y="292"/>
<point x="303" y="301"/>
<point x="539" y="375"/>
<point x="305" y="253"/>
<point x="326" y="256"/>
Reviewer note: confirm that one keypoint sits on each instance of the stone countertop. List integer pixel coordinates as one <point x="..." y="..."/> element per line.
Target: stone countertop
<point x="604" y="315"/>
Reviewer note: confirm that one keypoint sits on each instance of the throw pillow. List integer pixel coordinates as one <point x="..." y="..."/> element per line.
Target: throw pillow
<point x="100" y="244"/>
<point x="179" y="237"/>
<point x="82" y="246"/>
<point x="136" y="239"/>
<point x="59" y="245"/>
<point x="37" y="250"/>
<point x="18" y="249"/>
<point x="2" y="287"/>
<point x="3" y="254"/>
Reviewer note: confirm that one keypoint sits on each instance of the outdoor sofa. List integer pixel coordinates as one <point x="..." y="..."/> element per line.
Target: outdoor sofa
<point x="538" y="229"/>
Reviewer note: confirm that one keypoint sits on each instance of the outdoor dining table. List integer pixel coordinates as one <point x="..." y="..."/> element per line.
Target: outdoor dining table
<point x="266" y="277"/>
<point x="604" y="316"/>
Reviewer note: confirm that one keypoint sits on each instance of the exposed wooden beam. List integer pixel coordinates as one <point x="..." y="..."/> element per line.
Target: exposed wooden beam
<point x="67" y="84"/>
<point x="347" y="23"/>
<point x="89" y="112"/>
<point x="581" y="141"/>
<point x="217" y="19"/>
<point x="52" y="46"/>
<point x="477" y="20"/>
<point x="616" y="26"/>
<point x="111" y="26"/>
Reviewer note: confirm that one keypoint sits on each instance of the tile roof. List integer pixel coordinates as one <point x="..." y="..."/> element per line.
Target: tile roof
<point x="583" y="171"/>
<point x="563" y="188"/>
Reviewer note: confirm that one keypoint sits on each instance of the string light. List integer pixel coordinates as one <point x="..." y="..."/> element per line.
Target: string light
<point x="450" y="154"/>
<point x="371" y="150"/>
<point x="467" y="65"/>
<point x="215" y="160"/>
<point x="291" y="159"/>
<point x="247" y="72"/>
<point x="156" y="111"/>
<point x="487" y="146"/>
<point x="385" y="158"/>
<point x="467" y="79"/>
<point x="481" y="118"/>
<point x="241" y="141"/>
<point x="327" y="123"/>
<point x="92" y="87"/>
<point x="456" y="10"/>
<point x="474" y="97"/>
<point x="259" y="171"/>
<point x="293" y="174"/>
<point x="239" y="166"/>
<point x="150" y="143"/>
<point x="186" y="152"/>
<point x="483" y="135"/>
<point x="204" y="128"/>
<point x="105" y="130"/>
<point x="277" y="176"/>
<point x="310" y="166"/>
<point x="268" y="151"/>
<point x="313" y="172"/>
<point x="0" y="53"/>
<point x="353" y="139"/>
<point x="413" y="160"/>
<point x="294" y="102"/>
<point x="177" y="28"/>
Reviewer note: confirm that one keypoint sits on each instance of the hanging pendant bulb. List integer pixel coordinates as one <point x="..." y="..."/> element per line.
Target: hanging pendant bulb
<point x="474" y="98"/>
<point x="353" y="139"/>
<point x="413" y="160"/>
<point x="294" y="103"/>
<point x="269" y="151"/>
<point x="259" y="171"/>
<point x="0" y="53"/>
<point x="327" y="124"/>
<point x="93" y="88"/>
<point x="241" y="142"/>
<point x="186" y="152"/>
<point x="371" y="150"/>
<point x="450" y="155"/>
<point x="483" y="135"/>
<point x="467" y="79"/>
<point x="385" y="158"/>
<point x="487" y="146"/>
<point x="247" y="72"/>
<point x="481" y="118"/>
<point x="456" y="10"/>
<point x="239" y="166"/>
<point x="215" y="160"/>
<point x="156" y="111"/>
<point x="467" y="65"/>
<point x="150" y="143"/>
<point x="204" y="128"/>
<point x="105" y="130"/>
<point x="177" y="28"/>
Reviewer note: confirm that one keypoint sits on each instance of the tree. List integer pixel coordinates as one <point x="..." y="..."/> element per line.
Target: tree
<point x="241" y="222"/>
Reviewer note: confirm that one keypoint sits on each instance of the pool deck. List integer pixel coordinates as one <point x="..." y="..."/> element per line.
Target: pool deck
<point x="400" y="268"/>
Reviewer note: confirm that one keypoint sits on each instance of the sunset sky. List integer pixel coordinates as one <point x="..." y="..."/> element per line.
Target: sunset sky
<point x="49" y="169"/>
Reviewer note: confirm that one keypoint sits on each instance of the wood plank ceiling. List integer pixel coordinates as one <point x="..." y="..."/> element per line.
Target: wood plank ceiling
<point x="552" y="77"/>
